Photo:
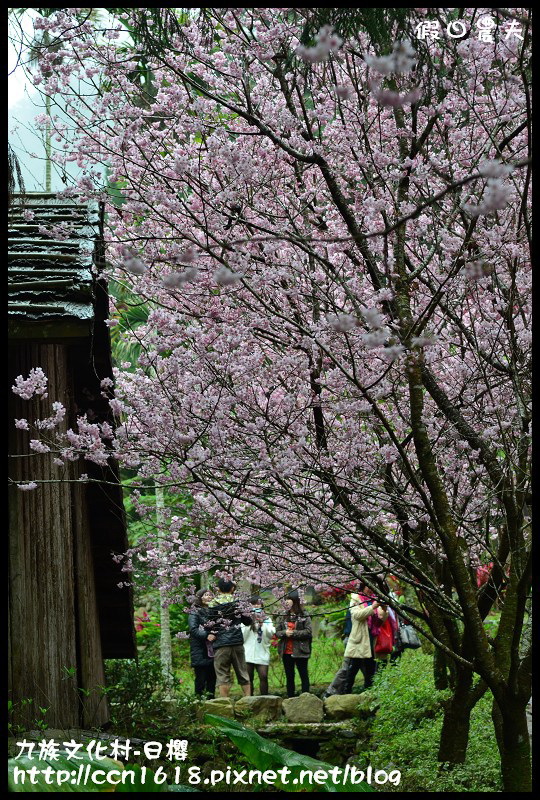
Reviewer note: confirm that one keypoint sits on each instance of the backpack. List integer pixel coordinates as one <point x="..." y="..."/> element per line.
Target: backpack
<point x="384" y="643"/>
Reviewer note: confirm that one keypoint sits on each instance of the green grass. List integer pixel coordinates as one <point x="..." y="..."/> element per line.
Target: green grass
<point x="407" y="727"/>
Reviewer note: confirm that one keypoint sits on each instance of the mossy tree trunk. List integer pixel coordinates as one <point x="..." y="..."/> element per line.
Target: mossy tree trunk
<point x="509" y="711"/>
<point x="457" y="717"/>
<point x="514" y="745"/>
<point x="441" y="677"/>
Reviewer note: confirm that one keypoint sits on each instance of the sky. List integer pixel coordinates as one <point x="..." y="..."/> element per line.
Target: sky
<point x="16" y="80"/>
<point x="24" y="103"/>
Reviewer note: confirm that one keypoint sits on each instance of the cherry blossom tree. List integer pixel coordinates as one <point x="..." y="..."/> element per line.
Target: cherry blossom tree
<point x="331" y="230"/>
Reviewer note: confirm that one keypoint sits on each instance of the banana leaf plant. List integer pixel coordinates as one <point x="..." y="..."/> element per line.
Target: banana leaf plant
<point x="267" y="755"/>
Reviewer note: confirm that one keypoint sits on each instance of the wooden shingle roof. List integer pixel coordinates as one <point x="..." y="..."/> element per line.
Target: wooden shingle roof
<point x="51" y="281"/>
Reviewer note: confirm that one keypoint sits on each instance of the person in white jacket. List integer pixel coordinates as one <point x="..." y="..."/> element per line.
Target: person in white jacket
<point x="257" y="638"/>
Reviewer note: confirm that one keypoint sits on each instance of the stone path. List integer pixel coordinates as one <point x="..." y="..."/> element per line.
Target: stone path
<point x="307" y="708"/>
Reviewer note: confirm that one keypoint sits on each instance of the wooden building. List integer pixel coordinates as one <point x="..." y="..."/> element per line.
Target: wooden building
<point x="66" y="610"/>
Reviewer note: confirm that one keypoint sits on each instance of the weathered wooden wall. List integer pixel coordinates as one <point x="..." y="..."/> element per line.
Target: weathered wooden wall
<point x="54" y="637"/>
<point x="42" y="586"/>
<point x="91" y="675"/>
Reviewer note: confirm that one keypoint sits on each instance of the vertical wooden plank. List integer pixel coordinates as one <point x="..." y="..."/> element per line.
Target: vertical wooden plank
<point x="95" y="709"/>
<point x="41" y="580"/>
<point x="60" y="592"/>
<point x="22" y="623"/>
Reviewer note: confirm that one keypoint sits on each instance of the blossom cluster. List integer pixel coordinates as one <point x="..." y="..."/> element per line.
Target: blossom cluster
<point x="327" y="41"/>
<point x="35" y="384"/>
<point x="298" y="238"/>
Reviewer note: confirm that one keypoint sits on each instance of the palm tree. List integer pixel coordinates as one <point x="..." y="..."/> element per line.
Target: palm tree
<point x="134" y="313"/>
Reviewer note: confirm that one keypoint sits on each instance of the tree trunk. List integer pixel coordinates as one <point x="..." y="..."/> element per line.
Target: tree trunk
<point x="457" y="717"/>
<point x="444" y="671"/>
<point x="455" y="734"/>
<point x="48" y="129"/>
<point x="165" y="625"/>
<point x="514" y="745"/>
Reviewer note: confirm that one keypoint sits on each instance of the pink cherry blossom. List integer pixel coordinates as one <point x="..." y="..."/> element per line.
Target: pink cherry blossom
<point x="337" y="349"/>
<point x="35" y="384"/>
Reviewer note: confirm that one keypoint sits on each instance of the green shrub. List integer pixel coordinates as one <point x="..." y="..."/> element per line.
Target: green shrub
<point x="406" y="693"/>
<point x="138" y="702"/>
<point x="330" y="615"/>
<point x="407" y="727"/>
<point x="148" y="627"/>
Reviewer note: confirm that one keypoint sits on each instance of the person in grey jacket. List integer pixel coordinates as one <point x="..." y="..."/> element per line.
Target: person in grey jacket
<point x="293" y="631"/>
<point x="201" y="641"/>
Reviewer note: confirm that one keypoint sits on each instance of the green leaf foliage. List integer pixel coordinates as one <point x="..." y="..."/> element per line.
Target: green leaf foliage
<point x="265" y="754"/>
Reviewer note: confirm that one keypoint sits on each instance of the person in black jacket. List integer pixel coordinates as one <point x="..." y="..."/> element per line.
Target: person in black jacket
<point x="201" y="647"/>
<point x="293" y="631"/>
<point x="226" y="619"/>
